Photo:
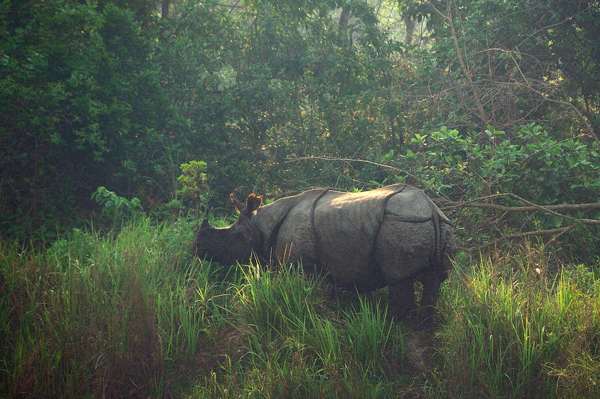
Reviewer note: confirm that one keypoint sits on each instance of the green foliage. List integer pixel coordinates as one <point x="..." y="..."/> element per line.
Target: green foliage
<point x="82" y="107"/>
<point x="371" y="334"/>
<point x="505" y="62"/>
<point x="528" y="162"/>
<point x="276" y="303"/>
<point x="297" y="347"/>
<point x="193" y="183"/>
<point x="137" y="307"/>
<point x="469" y="165"/>
<point x="101" y="301"/>
<point x="116" y="208"/>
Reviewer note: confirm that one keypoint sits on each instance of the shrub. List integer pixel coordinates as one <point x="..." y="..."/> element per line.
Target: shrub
<point x="115" y="208"/>
<point x="193" y="184"/>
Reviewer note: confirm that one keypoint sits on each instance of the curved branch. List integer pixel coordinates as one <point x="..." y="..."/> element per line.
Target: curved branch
<point x="365" y="161"/>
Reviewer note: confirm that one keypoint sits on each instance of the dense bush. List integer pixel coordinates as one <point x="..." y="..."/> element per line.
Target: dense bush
<point x="110" y="93"/>
<point x="527" y="161"/>
<point x="82" y="107"/>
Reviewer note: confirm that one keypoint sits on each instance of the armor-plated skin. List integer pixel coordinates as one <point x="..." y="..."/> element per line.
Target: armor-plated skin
<point x="383" y="237"/>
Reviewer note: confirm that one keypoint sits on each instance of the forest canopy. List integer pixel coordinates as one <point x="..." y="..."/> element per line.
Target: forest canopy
<point x="175" y="103"/>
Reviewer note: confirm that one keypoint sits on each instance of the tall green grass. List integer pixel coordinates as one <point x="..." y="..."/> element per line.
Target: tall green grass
<point x="512" y="330"/>
<point x="103" y="316"/>
<point x="299" y="346"/>
<point x="130" y="313"/>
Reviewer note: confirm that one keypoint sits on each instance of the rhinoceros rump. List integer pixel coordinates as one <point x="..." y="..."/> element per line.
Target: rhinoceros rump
<point x="384" y="237"/>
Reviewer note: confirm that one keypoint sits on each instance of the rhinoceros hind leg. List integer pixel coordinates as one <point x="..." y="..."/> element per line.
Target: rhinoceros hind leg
<point x="431" y="279"/>
<point x="401" y="298"/>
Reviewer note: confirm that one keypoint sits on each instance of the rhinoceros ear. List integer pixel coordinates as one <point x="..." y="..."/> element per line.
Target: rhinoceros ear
<point x="237" y="204"/>
<point x="253" y="202"/>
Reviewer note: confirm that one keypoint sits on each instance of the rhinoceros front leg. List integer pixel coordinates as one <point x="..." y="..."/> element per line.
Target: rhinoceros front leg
<point x="401" y="298"/>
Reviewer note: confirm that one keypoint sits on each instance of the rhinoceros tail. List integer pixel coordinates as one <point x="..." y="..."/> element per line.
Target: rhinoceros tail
<point x="444" y="242"/>
<point x="437" y="261"/>
<point x="440" y="244"/>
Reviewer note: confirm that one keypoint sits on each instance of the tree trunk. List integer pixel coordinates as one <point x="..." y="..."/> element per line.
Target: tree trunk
<point x="164" y="8"/>
<point x="409" y="23"/>
<point x="343" y="24"/>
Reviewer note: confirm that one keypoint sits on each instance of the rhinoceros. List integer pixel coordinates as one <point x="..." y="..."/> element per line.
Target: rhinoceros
<point x="390" y="236"/>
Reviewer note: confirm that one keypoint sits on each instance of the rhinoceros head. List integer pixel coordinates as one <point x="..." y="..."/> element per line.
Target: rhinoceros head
<point x="235" y="243"/>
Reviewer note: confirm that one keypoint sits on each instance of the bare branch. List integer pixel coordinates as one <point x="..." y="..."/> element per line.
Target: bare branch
<point x="323" y="158"/>
<point x="556" y="237"/>
<point x="460" y="55"/>
<point x="365" y="161"/>
<point x="530" y="207"/>
<point x="545" y="28"/>
<point x="543" y="232"/>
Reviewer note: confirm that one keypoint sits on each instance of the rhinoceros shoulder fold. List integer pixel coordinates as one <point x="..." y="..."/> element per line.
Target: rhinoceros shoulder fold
<point x="269" y="216"/>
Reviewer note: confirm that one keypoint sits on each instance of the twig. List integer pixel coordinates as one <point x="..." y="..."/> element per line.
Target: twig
<point x="365" y="161"/>
<point x="546" y="97"/>
<point x="545" y="28"/>
<point x="529" y="208"/>
<point x="449" y="18"/>
<point x="583" y="206"/>
<point x="553" y="239"/>
<point x="558" y="231"/>
<point x="538" y="232"/>
<point x="323" y="158"/>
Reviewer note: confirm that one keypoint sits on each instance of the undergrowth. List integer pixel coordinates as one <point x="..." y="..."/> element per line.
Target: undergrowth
<point x="516" y="330"/>
<point x="132" y="314"/>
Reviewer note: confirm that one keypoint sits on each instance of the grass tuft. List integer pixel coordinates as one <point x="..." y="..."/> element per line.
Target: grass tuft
<point x="517" y="332"/>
